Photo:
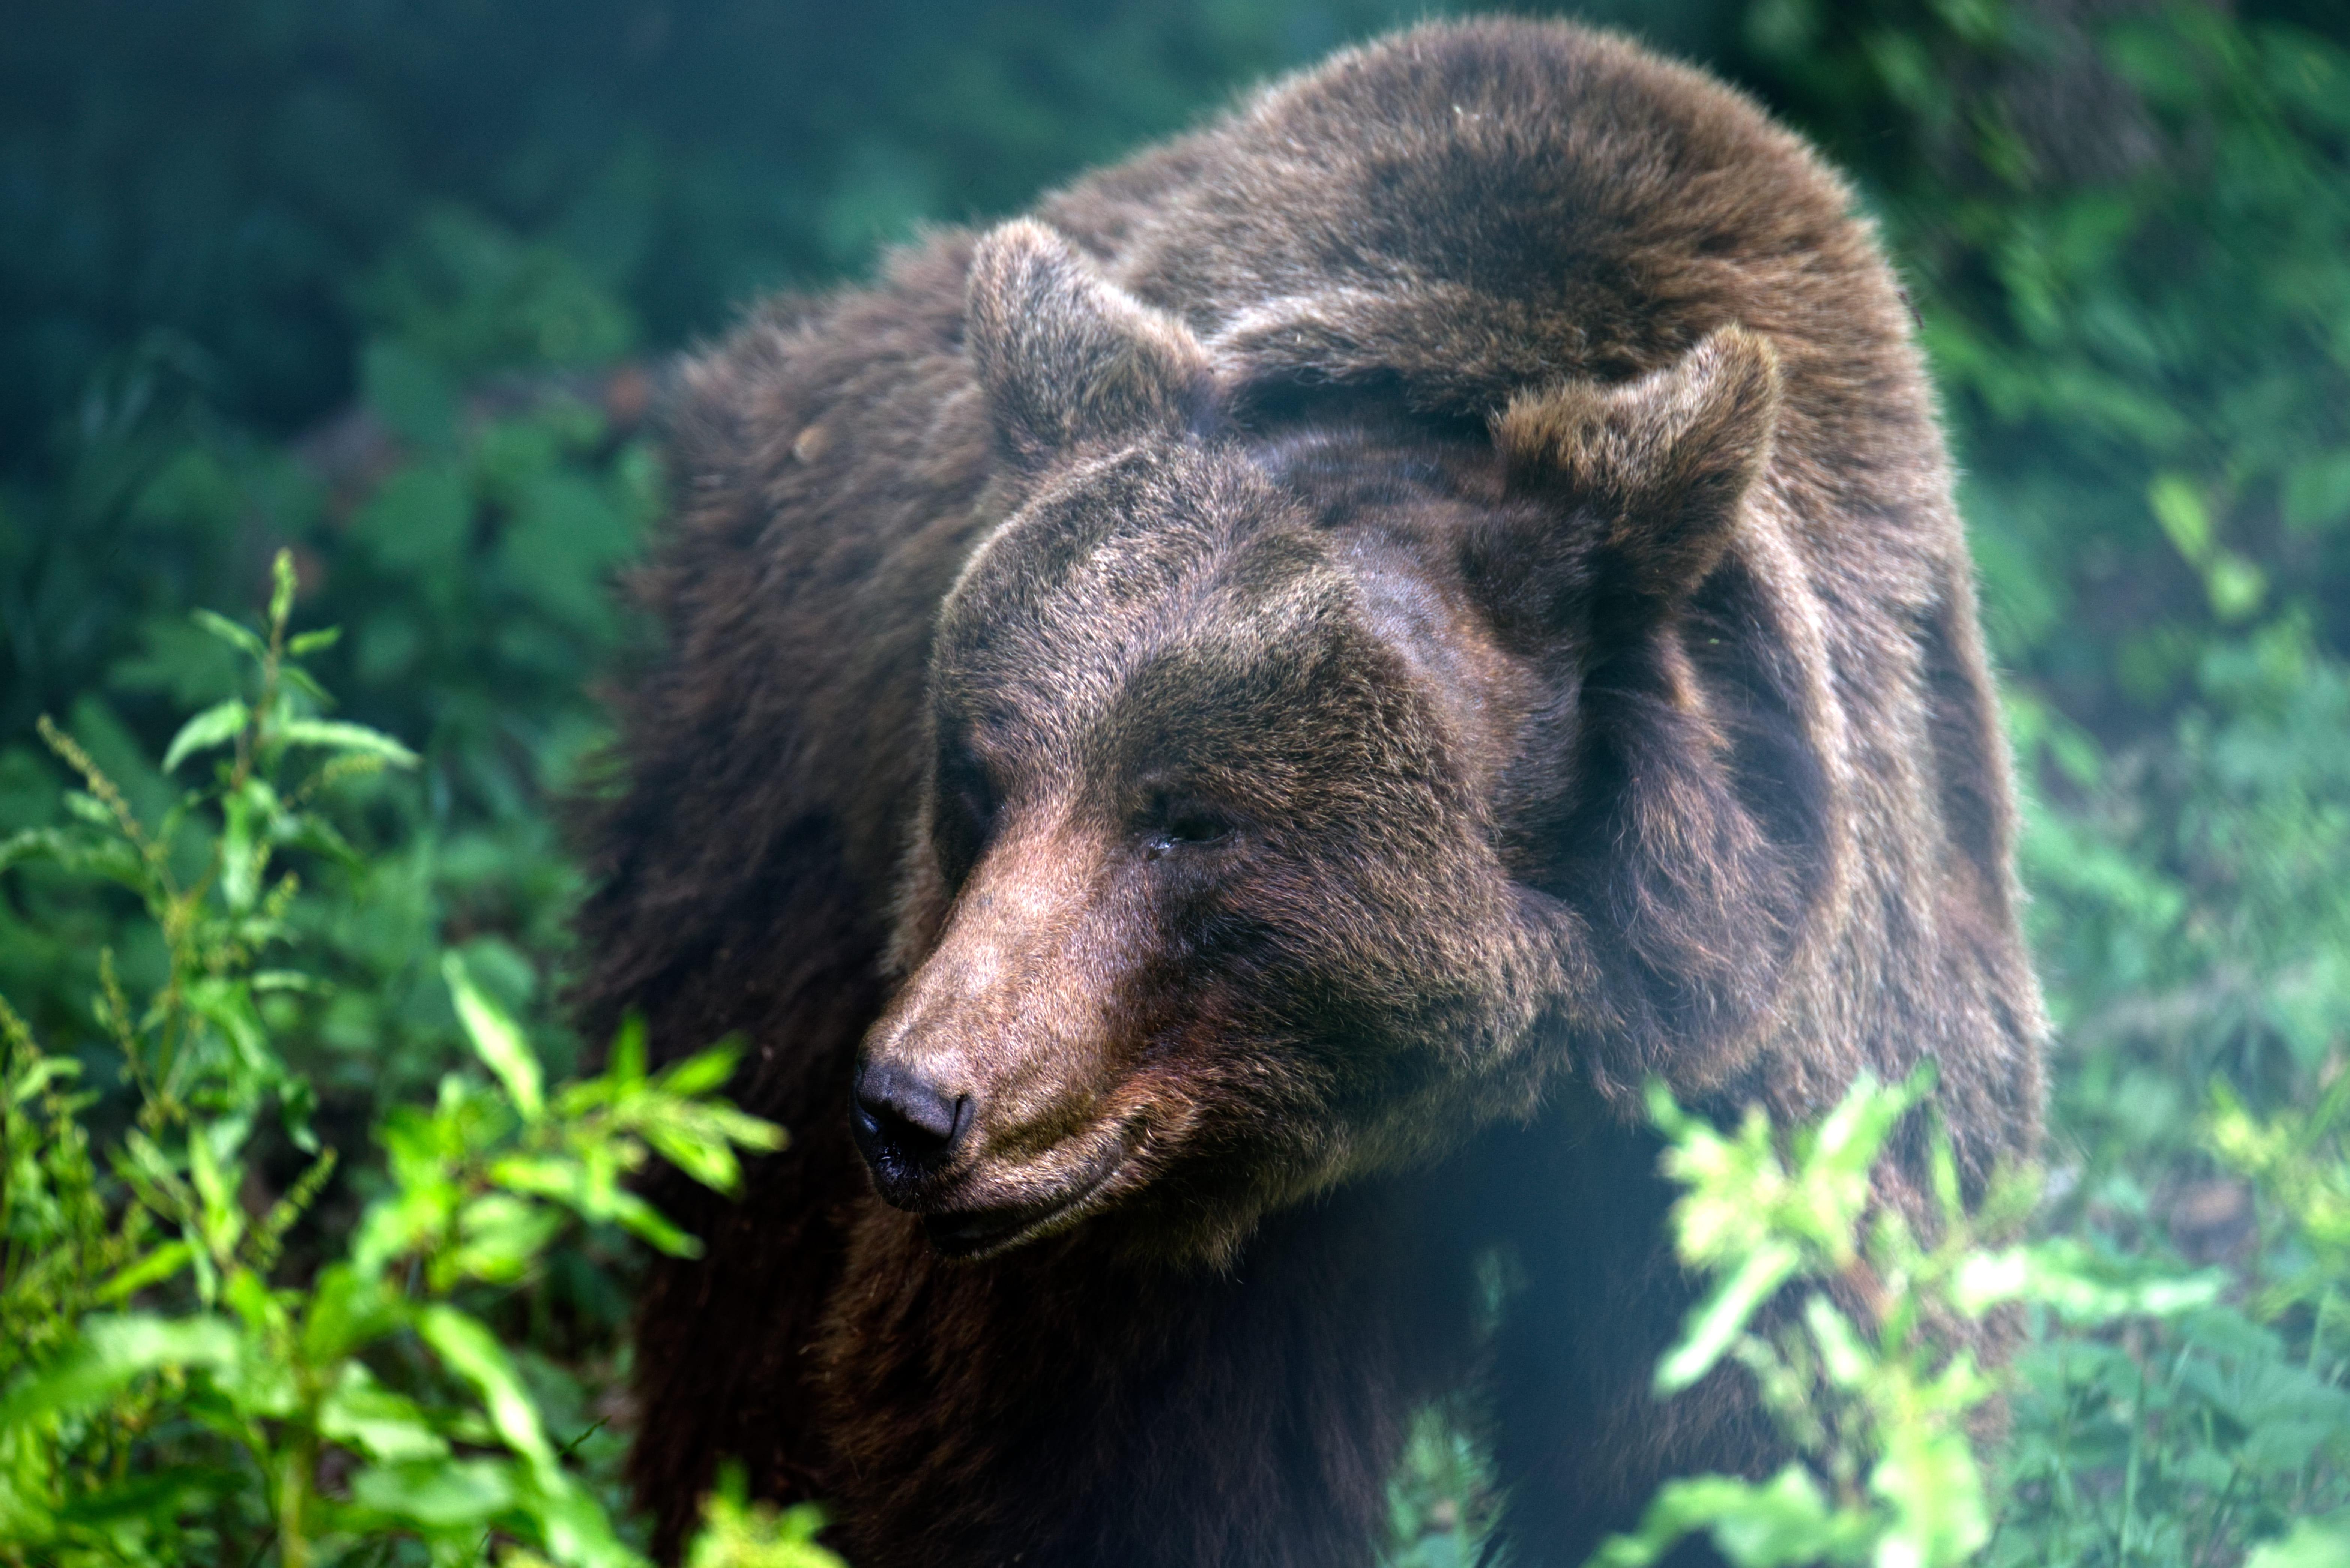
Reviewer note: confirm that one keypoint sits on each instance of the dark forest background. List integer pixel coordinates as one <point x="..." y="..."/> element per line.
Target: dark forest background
<point x="390" y="283"/>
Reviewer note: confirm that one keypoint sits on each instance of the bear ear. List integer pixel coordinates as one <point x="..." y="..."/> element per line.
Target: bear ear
<point x="1064" y="356"/>
<point x="1658" y="464"/>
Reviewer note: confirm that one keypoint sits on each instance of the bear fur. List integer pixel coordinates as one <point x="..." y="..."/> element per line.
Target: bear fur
<point x="1244" y="717"/>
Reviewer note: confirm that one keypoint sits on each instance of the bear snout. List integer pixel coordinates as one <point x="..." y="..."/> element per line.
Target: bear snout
<point x="985" y="1164"/>
<point x="907" y="1127"/>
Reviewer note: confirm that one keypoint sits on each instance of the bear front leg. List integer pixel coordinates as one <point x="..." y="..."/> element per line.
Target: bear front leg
<point x="1066" y="1406"/>
<point x="724" y="1341"/>
<point x="1581" y="1440"/>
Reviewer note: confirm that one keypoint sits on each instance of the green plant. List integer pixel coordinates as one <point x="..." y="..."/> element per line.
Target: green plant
<point x="170" y="1390"/>
<point x="1442" y="1501"/>
<point x="1852" y="1329"/>
<point x="2301" y="1161"/>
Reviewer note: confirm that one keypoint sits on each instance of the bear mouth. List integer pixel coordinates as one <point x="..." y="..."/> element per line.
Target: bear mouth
<point x="971" y="1233"/>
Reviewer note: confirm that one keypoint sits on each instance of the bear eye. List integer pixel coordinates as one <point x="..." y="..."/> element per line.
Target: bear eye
<point x="965" y="815"/>
<point x="1172" y="821"/>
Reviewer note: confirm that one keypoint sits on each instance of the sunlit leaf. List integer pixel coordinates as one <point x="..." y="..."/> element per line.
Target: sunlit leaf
<point x="438" y="1494"/>
<point x="737" y="1533"/>
<point x="626" y="1062"/>
<point x="1723" y="1316"/>
<point x="302" y="644"/>
<point x="337" y="734"/>
<point x="706" y="1160"/>
<point x="215" y="726"/>
<point x="470" y="1351"/>
<point x="700" y="1073"/>
<point x="502" y="1236"/>
<point x="496" y="1038"/>
<point x="2063" y="1274"/>
<point x="1941" y="1516"/>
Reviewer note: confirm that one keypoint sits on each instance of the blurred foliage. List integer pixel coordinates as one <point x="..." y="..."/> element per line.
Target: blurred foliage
<point x="382" y="283"/>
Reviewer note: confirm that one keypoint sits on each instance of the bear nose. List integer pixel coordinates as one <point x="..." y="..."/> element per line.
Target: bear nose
<point x="906" y="1125"/>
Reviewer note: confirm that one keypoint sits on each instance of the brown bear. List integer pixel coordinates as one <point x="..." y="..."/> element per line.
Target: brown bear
<point x="1211" y="741"/>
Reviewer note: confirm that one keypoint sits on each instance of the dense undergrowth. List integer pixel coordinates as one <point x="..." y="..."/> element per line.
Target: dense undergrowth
<point x="176" y="1389"/>
<point x="384" y="307"/>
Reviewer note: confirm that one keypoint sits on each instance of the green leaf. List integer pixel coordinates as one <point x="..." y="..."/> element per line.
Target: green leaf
<point x="89" y="808"/>
<point x="34" y="1076"/>
<point x="315" y="834"/>
<point x="2062" y="1273"/>
<point x="368" y="1418"/>
<point x="1717" y="1321"/>
<point x="349" y="1309"/>
<point x="700" y="1073"/>
<point x="496" y="1038"/>
<point x="1940" y="1518"/>
<point x="1780" y="1522"/>
<point x="438" y="1494"/>
<point x="216" y="725"/>
<point x="282" y="585"/>
<point x="303" y="644"/>
<point x="1853" y="1134"/>
<point x="111" y="1351"/>
<point x="594" y="1195"/>
<point x="503" y="1236"/>
<point x="736" y="1533"/>
<point x="575" y="1528"/>
<point x="2178" y="506"/>
<point x="228" y="631"/>
<point x="227" y="1005"/>
<point x="2234" y="585"/>
<point x="1842" y="1356"/>
<point x="707" y="1160"/>
<point x="627" y="1063"/>
<point x="1785" y="1520"/>
<point x="470" y="1351"/>
<point x="650" y="1225"/>
<point x="222" y="1217"/>
<point x="301" y="680"/>
<point x="542" y="1176"/>
<point x="244" y="853"/>
<point x="34" y="844"/>
<point x="575" y="1525"/>
<point x="742" y="1129"/>
<point x="339" y="735"/>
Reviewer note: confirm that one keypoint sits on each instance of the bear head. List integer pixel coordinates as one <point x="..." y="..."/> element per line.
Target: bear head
<point x="1303" y="792"/>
